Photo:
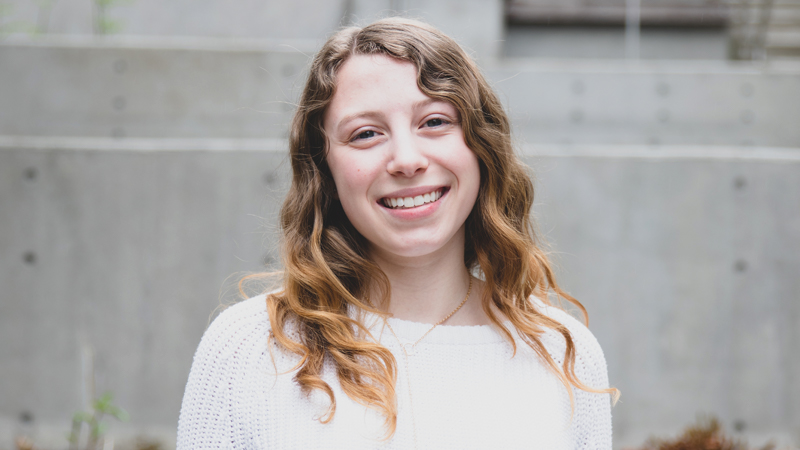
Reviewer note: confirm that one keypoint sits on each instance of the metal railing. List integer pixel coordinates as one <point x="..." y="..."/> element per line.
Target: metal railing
<point x="758" y="29"/>
<point x="764" y="29"/>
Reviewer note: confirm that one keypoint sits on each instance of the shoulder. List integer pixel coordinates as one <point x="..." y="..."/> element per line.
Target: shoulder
<point x="590" y="362"/>
<point x="242" y="324"/>
<point x="232" y="357"/>
<point x="591" y="419"/>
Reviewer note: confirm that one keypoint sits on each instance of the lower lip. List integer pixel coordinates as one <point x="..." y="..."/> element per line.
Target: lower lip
<point x="417" y="212"/>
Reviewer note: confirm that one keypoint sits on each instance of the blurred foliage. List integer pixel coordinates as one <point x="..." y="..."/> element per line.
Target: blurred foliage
<point x="10" y="26"/>
<point x="705" y="434"/>
<point x="102" y="23"/>
<point x="143" y="443"/>
<point x="94" y="421"/>
<point x="43" y="17"/>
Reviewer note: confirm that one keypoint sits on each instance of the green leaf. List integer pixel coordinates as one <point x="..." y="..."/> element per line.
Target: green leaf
<point x="82" y="416"/>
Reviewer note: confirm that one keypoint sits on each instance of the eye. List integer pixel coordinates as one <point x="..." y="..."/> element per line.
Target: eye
<point x="435" y="122"/>
<point x="366" y="134"/>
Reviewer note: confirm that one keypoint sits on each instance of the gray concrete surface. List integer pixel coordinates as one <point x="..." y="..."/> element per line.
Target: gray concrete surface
<point x="195" y="88"/>
<point x="686" y="258"/>
<point x="609" y="42"/>
<point x="477" y="24"/>
<point x="125" y="253"/>
<point x="140" y="175"/>
<point x="653" y="102"/>
<point x="145" y="88"/>
<point x="300" y="19"/>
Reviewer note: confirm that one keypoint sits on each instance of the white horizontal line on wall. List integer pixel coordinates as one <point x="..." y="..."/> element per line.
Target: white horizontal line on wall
<point x="306" y="46"/>
<point x="655" y="152"/>
<point x="141" y="144"/>
<point x="664" y="152"/>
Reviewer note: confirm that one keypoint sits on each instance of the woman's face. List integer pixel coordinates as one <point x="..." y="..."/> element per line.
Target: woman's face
<point x="403" y="173"/>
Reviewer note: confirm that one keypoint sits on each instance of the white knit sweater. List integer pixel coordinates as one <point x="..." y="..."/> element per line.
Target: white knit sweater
<point x="467" y="392"/>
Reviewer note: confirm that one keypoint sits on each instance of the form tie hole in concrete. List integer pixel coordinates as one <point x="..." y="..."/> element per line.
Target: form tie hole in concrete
<point x="747" y="90"/>
<point x="26" y="417"/>
<point x="29" y="258"/>
<point x="288" y="70"/>
<point x="663" y="115"/>
<point x="118" y="133"/>
<point x="31" y="173"/>
<point x="578" y="87"/>
<point x="740" y="266"/>
<point x="663" y="89"/>
<point x="739" y="425"/>
<point x="739" y="182"/>
<point x="120" y="66"/>
<point x="748" y="117"/>
<point x="269" y="178"/>
<point x="118" y="102"/>
<point x="576" y="116"/>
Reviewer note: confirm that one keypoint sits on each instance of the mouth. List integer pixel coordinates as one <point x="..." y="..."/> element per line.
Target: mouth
<point x="413" y="202"/>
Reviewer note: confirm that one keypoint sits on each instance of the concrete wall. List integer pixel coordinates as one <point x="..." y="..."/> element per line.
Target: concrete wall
<point x="143" y="88"/>
<point x="140" y="172"/>
<point x="686" y="258"/>
<point x="125" y="252"/>
<point x="477" y="24"/>
<point x="655" y="102"/>
<point x="138" y="87"/>
<point x="301" y="19"/>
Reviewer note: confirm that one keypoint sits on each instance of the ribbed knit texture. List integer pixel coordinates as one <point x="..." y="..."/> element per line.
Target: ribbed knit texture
<point x="467" y="391"/>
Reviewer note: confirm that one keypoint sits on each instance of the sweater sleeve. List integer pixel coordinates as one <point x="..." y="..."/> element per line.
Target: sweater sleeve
<point x="206" y="417"/>
<point x="591" y="422"/>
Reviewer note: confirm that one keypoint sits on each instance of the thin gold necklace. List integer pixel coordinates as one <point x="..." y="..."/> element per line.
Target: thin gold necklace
<point x="408" y="349"/>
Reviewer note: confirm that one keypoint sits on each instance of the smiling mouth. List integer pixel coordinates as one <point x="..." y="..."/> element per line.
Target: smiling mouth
<point x="413" y="202"/>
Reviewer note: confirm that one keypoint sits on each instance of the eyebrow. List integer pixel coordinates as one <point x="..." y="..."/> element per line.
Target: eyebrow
<point x="350" y="117"/>
<point x="380" y="115"/>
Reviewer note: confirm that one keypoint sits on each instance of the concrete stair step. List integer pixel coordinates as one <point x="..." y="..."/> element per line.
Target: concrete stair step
<point x="124" y="88"/>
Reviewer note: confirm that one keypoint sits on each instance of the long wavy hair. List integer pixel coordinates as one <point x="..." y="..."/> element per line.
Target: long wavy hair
<point x="327" y="269"/>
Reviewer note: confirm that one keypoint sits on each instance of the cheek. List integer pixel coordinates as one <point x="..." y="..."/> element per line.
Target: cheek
<point x="352" y="175"/>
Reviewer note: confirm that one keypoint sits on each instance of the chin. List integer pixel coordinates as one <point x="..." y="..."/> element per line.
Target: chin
<point x="415" y="250"/>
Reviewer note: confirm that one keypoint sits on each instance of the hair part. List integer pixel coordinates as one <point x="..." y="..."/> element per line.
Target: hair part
<point x="327" y="267"/>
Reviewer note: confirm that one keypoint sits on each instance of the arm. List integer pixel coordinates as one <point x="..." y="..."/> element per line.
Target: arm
<point x="205" y="414"/>
<point x="592" y="411"/>
<point x="591" y="421"/>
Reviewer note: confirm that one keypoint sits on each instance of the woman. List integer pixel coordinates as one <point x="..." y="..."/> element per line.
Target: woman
<point x="414" y="310"/>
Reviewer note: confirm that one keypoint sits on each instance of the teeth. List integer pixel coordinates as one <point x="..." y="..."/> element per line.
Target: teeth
<point x="410" y="202"/>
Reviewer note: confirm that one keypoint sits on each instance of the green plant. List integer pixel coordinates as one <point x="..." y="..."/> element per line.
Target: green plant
<point x="102" y="23"/>
<point x="94" y="421"/>
<point x="8" y="25"/>
<point x="43" y="17"/>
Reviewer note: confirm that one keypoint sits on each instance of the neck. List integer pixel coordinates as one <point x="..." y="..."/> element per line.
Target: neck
<point x="426" y="289"/>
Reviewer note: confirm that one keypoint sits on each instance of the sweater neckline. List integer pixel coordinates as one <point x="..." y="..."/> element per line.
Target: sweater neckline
<point x="409" y="331"/>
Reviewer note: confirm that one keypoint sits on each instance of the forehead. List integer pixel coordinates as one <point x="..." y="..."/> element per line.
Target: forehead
<point x="373" y="82"/>
<point x="364" y="70"/>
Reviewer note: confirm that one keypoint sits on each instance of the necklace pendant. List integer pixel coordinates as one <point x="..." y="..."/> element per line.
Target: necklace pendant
<point x="408" y="349"/>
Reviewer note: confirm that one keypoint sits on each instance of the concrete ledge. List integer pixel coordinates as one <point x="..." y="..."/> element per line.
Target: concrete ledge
<point x="132" y="42"/>
<point x="666" y="152"/>
<point x="656" y="152"/>
<point x="142" y="144"/>
<point x="133" y="87"/>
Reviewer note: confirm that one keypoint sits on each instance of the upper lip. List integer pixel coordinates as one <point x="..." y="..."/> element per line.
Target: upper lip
<point x="412" y="192"/>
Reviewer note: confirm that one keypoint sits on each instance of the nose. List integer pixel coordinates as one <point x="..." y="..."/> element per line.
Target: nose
<point x="407" y="158"/>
